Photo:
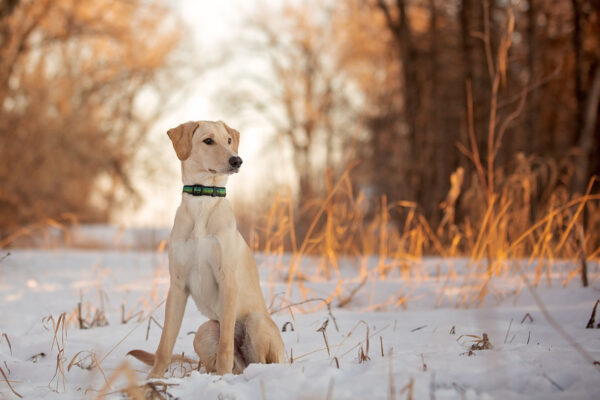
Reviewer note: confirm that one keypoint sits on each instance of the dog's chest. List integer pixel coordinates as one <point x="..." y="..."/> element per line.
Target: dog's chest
<point x="201" y="281"/>
<point x="204" y="289"/>
<point x="201" y="210"/>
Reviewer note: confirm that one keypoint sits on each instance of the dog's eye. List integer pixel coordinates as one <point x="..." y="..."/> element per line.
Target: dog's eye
<point x="229" y="140"/>
<point x="208" y="141"/>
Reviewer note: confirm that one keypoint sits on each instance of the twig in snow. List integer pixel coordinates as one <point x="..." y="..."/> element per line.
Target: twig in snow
<point x="348" y="298"/>
<point x="367" y="338"/>
<point x="423" y="361"/>
<point x="418" y="328"/>
<point x="36" y="357"/>
<point x="459" y="389"/>
<point x="527" y="316"/>
<point x="553" y="383"/>
<point x="332" y="317"/>
<point x="5" y="336"/>
<point x="323" y="329"/>
<point x="151" y="319"/>
<point x="80" y="317"/>
<point x="392" y="388"/>
<point x="297" y="304"/>
<point x="337" y="362"/>
<point x="125" y="320"/>
<point x="590" y="324"/>
<point x="508" y="330"/>
<point x="330" y="389"/>
<point x="432" y="387"/>
<point x="6" y="255"/>
<point x="362" y="357"/>
<point x="284" y="327"/>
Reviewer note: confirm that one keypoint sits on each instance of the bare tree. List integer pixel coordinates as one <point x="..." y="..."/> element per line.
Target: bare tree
<point x="72" y="74"/>
<point x="302" y="92"/>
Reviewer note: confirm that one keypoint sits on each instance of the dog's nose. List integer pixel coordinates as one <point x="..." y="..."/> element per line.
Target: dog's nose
<point x="235" y="162"/>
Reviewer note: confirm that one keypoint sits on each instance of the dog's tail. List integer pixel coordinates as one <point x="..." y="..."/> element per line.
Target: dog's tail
<point x="148" y="358"/>
<point x="143" y="356"/>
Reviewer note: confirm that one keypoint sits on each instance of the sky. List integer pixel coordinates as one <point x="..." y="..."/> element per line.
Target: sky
<point x="213" y="25"/>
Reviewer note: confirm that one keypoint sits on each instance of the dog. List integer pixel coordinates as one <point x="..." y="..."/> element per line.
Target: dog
<point x="210" y="260"/>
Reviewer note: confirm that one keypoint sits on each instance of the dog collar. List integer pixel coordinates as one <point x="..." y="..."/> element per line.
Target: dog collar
<point x="201" y="190"/>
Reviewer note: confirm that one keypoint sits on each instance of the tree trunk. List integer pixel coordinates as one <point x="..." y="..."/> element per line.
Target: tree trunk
<point x="400" y="30"/>
<point x="586" y="138"/>
<point x="577" y="49"/>
<point x="532" y="108"/>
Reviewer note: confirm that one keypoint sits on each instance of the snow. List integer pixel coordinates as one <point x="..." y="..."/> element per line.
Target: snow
<point x="529" y="360"/>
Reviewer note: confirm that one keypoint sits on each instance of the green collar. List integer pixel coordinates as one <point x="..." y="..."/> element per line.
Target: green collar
<point x="201" y="190"/>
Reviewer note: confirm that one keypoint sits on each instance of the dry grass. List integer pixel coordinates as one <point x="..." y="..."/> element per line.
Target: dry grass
<point x="8" y="383"/>
<point x="345" y="225"/>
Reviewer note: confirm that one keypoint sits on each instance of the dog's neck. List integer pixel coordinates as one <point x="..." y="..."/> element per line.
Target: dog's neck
<point x="203" y="178"/>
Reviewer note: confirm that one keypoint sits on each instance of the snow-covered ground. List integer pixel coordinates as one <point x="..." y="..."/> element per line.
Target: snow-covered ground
<point x="416" y="344"/>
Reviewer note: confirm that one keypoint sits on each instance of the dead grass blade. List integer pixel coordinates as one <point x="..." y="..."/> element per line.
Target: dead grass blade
<point x="8" y="383"/>
<point x="5" y="337"/>
<point x="130" y="332"/>
<point x="59" y="372"/>
<point x="409" y="389"/>
<point x="344" y="301"/>
<point x="133" y="391"/>
<point x="89" y="362"/>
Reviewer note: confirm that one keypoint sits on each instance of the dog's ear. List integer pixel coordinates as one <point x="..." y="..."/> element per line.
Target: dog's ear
<point x="182" y="138"/>
<point x="235" y="135"/>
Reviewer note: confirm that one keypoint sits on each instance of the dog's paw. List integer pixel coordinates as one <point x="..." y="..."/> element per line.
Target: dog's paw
<point x="224" y="365"/>
<point x="155" y="375"/>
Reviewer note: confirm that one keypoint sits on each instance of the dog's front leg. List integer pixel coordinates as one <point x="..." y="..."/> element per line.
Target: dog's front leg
<point x="176" y="301"/>
<point x="228" y="299"/>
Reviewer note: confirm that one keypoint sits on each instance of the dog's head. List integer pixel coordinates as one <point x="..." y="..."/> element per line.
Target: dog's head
<point x="207" y="146"/>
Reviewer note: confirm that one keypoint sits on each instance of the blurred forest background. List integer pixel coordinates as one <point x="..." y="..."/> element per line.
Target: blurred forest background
<point x="440" y="118"/>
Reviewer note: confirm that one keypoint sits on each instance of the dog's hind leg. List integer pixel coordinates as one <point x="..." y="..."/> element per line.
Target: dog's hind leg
<point x="206" y="342"/>
<point x="262" y="341"/>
